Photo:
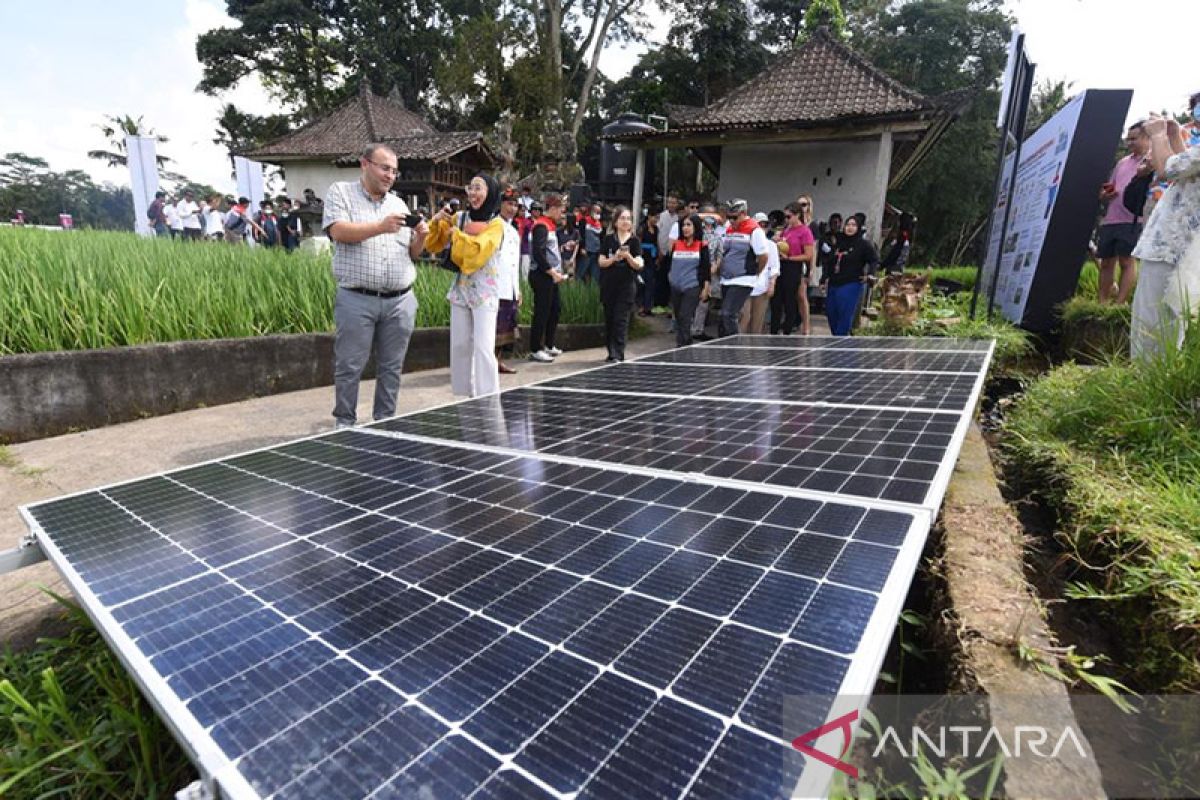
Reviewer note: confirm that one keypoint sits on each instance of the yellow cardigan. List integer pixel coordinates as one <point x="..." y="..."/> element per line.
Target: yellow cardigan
<point x="469" y="252"/>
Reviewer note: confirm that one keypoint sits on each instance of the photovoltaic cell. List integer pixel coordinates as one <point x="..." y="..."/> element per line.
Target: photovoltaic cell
<point x="414" y="638"/>
<point x="826" y="358"/>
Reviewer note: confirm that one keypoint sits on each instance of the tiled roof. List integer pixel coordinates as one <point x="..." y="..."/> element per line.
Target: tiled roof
<point x="363" y="119"/>
<point x="423" y="146"/>
<point x="821" y="81"/>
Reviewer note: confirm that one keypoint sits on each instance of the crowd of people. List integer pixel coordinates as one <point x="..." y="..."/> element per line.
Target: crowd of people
<point x="1151" y="220"/>
<point x="275" y="223"/>
<point x="761" y="267"/>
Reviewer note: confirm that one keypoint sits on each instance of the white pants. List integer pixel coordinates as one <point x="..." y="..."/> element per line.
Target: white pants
<point x="473" y="369"/>
<point x="1154" y="324"/>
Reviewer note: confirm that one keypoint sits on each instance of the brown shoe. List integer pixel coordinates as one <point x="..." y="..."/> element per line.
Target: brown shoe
<point x="505" y="369"/>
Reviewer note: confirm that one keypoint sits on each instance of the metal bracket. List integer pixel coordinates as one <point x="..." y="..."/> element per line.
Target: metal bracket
<point x="196" y="790"/>
<point x="27" y="553"/>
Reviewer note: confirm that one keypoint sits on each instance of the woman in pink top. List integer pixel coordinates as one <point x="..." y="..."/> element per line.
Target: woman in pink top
<point x="789" y="304"/>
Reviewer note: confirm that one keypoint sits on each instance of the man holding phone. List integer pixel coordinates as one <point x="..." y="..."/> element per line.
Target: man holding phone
<point x="376" y="241"/>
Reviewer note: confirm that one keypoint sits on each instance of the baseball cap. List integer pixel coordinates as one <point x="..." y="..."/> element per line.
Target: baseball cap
<point x="761" y="217"/>
<point x="738" y="206"/>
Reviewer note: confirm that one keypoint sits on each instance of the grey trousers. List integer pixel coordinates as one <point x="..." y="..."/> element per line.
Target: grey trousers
<point x="366" y="323"/>
<point x="732" y="300"/>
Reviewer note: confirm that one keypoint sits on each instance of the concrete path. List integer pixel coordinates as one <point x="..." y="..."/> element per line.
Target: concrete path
<point x="48" y="468"/>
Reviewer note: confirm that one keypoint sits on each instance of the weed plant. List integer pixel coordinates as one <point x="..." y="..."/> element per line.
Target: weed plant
<point x="1117" y="449"/>
<point x="74" y="725"/>
<point x="88" y="289"/>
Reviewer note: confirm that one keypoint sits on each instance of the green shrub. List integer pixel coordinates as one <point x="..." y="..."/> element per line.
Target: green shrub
<point x="1117" y="449"/>
<point x="1095" y="332"/>
<point x="73" y="724"/>
<point x="88" y="289"/>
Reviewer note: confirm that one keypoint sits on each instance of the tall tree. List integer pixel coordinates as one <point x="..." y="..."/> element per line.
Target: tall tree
<point x="935" y="46"/>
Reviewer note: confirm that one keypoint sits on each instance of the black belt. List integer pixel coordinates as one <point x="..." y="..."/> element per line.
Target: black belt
<point x="385" y="295"/>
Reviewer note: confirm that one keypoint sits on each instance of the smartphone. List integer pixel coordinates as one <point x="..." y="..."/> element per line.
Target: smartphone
<point x="412" y="220"/>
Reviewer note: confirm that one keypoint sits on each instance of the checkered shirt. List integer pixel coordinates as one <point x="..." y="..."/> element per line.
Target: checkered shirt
<point x="381" y="263"/>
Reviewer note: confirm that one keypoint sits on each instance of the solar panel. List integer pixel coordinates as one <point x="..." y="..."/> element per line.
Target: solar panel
<point x="604" y="585"/>
<point x="827" y="358"/>
<point x="939" y="391"/>
<point x="361" y="614"/>
<point x="895" y="455"/>
<point x="852" y="342"/>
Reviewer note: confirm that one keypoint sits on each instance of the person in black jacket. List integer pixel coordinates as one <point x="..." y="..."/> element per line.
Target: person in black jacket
<point x="689" y="271"/>
<point x="545" y="273"/>
<point x="620" y="262"/>
<point x="848" y="270"/>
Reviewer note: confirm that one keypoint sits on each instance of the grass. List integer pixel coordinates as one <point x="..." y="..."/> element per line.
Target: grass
<point x="74" y="725"/>
<point x="91" y="289"/>
<point x="950" y="316"/>
<point x="1116" y="448"/>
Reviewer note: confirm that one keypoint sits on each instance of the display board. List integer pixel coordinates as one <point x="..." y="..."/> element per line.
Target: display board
<point x="1054" y="207"/>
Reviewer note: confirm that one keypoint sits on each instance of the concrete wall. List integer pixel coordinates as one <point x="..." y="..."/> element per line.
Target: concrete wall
<point x="45" y="394"/>
<point x="842" y="177"/>
<point x="315" y="175"/>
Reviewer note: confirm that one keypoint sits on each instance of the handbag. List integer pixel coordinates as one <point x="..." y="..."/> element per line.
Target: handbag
<point x="444" y="261"/>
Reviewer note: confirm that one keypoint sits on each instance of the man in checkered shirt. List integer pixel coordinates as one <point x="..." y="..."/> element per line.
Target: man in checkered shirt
<point x="373" y="266"/>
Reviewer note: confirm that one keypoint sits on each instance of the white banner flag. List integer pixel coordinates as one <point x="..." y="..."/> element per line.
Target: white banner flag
<point x="141" y="152"/>
<point x="249" y="179"/>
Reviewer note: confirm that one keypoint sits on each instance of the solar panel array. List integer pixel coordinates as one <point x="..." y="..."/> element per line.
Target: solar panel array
<point x="577" y="589"/>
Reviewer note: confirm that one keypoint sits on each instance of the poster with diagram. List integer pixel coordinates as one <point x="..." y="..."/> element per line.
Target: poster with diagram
<point x="1054" y="199"/>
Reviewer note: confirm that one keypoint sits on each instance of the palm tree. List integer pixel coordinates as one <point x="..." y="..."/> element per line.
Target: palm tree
<point x="115" y="129"/>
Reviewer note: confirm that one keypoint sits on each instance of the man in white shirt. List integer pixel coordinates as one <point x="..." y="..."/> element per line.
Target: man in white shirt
<point x="189" y="216"/>
<point x="744" y="257"/>
<point x="754" y="313"/>
<point x="174" y="223"/>
<point x="375" y="307"/>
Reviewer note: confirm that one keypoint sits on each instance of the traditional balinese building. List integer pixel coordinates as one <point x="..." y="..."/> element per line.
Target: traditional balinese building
<point x="820" y="120"/>
<point x="432" y="163"/>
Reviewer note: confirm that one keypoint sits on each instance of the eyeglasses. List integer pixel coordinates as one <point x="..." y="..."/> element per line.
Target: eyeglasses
<point x="803" y="205"/>
<point x="386" y="169"/>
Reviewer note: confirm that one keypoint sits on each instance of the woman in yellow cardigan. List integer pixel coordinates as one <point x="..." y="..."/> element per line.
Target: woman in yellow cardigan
<point x="474" y="238"/>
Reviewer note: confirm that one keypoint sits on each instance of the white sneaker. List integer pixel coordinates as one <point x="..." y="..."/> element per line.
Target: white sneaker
<point x="554" y="352"/>
<point x="541" y="355"/>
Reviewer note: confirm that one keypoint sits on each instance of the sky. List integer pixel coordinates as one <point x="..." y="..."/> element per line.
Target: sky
<point x="64" y="72"/>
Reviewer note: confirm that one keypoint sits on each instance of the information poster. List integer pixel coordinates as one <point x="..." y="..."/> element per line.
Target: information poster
<point x="1035" y="193"/>
<point x="1055" y="202"/>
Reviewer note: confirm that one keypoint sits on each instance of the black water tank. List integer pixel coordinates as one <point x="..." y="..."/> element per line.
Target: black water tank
<point x="618" y="162"/>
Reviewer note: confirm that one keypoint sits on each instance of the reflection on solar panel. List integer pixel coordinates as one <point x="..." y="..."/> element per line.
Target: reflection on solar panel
<point x="602" y="587"/>
<point x="930" y="390"/>
<point x="852" y="343"/>
<point x="827" y="358"/>
<point x="875" y="453"/>
<point x="434" y="613"/>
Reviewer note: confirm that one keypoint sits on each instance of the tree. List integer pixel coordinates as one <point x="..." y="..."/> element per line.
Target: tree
<point x="28" y="183"/>
<point x="1048" y="99"/>
<point x="825" y="14"/>
<point x="115" y="129"/>
<point x="935" y="46"/>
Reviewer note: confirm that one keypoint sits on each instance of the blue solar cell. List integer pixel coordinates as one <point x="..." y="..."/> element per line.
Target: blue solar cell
<point x="722" y="588"/>
<point x="723" y="673"/>
<point x="676" y="575"/>
<point x="776" y="602"/>
<point x="465" y="690"/>
<point x="581" y="737"/>
<point x="569" y="613"/>
<point x="796" y="691"/>
<point x="520" y="710"/>
<point x="835" y="618"/>
<point x="810" y="554"/>
<point x="531" y="597"/>
<point x="659" y="757"/>
<point x="664" y="650"/>
<point x="612" y="631"/>
<point x="511" y="785"/>
<point x="746" y="764"/>
<point x="442" y="655"/>
<point x="865" y="566"/>
<point x="453" y="768"/>
<point x="633" y="564"/>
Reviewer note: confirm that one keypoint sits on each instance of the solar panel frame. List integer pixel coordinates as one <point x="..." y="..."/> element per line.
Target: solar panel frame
<point x="857" y="680"/>
<point x="948" y="343"/>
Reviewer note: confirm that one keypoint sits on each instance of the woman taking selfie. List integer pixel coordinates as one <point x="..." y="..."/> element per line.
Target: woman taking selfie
<point x="620" y="262"/>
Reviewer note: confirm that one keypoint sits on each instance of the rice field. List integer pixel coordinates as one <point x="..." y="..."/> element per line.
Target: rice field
<point x="88" y="289"/>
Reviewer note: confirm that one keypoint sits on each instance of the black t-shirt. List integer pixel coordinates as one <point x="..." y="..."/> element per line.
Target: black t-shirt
<point x="618" y="276"/>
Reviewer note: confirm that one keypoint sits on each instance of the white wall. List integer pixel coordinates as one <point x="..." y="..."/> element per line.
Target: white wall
<point x="842" y="177"/>
<point x="315" y="175"/>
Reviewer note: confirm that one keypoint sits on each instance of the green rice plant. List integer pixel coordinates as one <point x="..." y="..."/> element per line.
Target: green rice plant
<point x="90" y="289"/>
<point x="73" y="724"/>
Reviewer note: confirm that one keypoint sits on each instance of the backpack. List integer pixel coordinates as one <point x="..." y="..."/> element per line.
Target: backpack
<point x="150" y="215"/>
<point x="1134" y="196"/>
<point x="235" y="222"/>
